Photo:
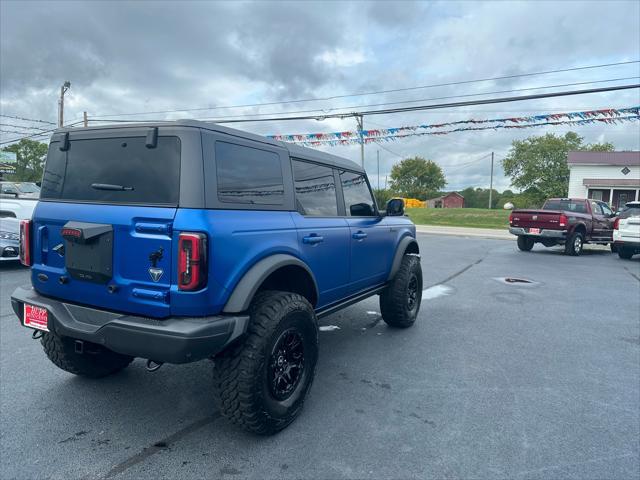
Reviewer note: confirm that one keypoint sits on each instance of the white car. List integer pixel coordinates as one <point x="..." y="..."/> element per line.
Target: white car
<point x="626" y="231"/>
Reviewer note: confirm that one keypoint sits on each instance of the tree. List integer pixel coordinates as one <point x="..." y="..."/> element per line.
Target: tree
<point x="417" y="178"/>
<point x="30" y="160"/>
<point x="382" y="196"/>
<point x="539" y="164"/>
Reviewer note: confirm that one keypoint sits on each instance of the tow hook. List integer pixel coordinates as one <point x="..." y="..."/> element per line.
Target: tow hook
<point x="37" y="334"/>
<point x="152" y="365"/>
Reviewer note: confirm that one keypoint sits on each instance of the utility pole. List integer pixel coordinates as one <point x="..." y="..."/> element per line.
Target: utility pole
<point x="85" y="120"/>
<point x="491" y="184"/>
<point x="63" y="90"/>
<point x="360" y="122"/>
<point x="378" y="161"/>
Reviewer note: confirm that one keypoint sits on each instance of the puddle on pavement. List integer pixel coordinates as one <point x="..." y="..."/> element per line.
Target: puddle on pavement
<point x="524" y="282"/>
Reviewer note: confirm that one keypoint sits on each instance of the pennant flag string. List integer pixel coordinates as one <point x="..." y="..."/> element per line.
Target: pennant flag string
<point x="393" y="137"/>
<point x="610" y="115"/>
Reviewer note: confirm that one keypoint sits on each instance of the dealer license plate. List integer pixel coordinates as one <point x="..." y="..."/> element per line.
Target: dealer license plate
<point x="534" y="231"/>
<point x="36" y="317"/>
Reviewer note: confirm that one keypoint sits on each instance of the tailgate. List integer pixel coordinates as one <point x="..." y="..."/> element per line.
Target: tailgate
<point x="542" y="219"/>
<point x="630" y="229"/>
<point x="115" y="257"/>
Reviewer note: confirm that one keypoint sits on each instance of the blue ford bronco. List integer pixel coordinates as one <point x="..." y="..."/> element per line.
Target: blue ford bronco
<point x="181" y="241"/>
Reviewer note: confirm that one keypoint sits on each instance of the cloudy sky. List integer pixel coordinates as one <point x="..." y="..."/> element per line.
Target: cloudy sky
<point x="125" y="58"/>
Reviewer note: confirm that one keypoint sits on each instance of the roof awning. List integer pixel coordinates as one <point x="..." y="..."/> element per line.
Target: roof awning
<point x="611" y="182"/>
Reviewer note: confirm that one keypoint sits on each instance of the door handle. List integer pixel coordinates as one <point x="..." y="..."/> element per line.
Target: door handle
<point x="359" y="235"/>
<point x="313" y="239"/>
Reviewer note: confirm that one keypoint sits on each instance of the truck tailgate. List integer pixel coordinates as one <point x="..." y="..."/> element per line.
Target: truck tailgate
<point x="542" y="219"/>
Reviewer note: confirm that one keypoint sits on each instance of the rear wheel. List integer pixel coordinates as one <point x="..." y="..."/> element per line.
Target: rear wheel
<point x="86" y="359"/>
<point x="625" y="253"/>
<point x="525" y="243"/>
<point x="261" y="382"/>
<point x="400" y="301"/>
<point x="574" y="244"/>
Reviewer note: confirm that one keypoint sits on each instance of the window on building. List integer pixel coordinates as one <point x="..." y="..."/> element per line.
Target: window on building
<point x="358" y="201"/>
<point x="315" y="189"/>
<point x="248" y="175"/>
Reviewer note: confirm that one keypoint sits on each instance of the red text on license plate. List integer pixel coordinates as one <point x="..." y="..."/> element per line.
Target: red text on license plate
<point x="36" y="317"/>
<point x="534" y="230"/>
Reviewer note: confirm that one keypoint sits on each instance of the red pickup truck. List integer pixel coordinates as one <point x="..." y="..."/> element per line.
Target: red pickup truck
<point x="571" y="222"/>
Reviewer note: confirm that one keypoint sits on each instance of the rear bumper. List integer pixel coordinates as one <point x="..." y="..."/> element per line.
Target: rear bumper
<point x="635" y="245"/>
<point x="546" y="233"/>
<point x="170" y="340"/>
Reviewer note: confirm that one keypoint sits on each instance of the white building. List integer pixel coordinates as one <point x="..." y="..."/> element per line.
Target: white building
<point x="613" y="177"/>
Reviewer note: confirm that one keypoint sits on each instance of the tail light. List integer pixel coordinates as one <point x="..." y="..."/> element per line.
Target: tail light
<point x="616" y="224"/>
<point x="510" y="218"/>
<point x="25" y="242"/>
<point x="564" y="221"/>
<point x="192" y="261"/>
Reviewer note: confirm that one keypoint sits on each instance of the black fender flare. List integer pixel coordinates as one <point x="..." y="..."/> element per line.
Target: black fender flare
<point x="400" y="250"/>
<point x="248" y="285"/>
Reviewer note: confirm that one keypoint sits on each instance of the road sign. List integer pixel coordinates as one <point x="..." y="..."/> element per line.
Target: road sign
<point x="7" y="162"/>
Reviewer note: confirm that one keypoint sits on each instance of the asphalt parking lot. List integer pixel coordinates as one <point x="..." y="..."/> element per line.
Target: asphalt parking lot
<point x="495" y="380"/>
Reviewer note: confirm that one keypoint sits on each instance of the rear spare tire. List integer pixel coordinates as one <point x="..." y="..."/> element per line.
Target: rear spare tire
<point x="400" y="301"/>
<point x="94" y="361"/>
<point x="261" y="382"/>
<point x="525" y="243"/>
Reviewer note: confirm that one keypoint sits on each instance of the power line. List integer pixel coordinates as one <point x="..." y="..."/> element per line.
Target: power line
<point x="430" y="99"/>
<point x="45" y="132"/>
<point x="27" y="119"/>
<point x="441" y="105"/>
<point x="359" y="94"/>
<point x="20" y="126"/>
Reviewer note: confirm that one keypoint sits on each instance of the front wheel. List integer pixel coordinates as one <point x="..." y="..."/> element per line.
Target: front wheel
<point x="613" y="247"/>
<point x="575" y="244"/>
<point x="262" y="381"/>
<point x="525" y="243"/>
<point x="400" y="301"/>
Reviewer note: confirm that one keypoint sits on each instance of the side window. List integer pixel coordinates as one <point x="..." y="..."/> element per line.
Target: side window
<point x="358" y="201"/>
<point x="315" y="189"/>
<point x="595" y="208"/>
<point x="605" y="208"/>
<point x="248" y="175"/>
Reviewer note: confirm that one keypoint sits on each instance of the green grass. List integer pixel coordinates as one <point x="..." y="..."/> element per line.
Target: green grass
<point x="460" y="217"/>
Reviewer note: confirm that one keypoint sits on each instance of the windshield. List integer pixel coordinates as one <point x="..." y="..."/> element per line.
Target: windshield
<point x="566" y="205"/>
<point x="114" y="170"/>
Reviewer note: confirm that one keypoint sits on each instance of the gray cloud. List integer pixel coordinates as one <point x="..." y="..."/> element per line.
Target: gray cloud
<point x="143" y="56"/>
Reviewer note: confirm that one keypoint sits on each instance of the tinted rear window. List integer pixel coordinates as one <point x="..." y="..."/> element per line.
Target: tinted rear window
<point x="248" y="175"/>
<point x="315" y="189"/>
<point x="94" y="170"/>
<point x="633" y="211"/>
<point x="568" y="205"/>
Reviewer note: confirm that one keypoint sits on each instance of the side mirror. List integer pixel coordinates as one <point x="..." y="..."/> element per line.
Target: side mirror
<point x="395" y="207"/>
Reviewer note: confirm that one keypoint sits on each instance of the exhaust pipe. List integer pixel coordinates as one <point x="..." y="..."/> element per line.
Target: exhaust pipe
<point x="153" y="366"/>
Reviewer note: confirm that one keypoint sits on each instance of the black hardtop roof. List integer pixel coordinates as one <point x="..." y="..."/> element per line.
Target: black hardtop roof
<point x="294" y="150"/>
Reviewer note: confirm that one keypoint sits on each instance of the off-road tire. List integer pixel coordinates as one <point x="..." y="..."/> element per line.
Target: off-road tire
<point x="525" y="243"/>
<point x="574" y="246"/>
<point x="96" y="361"/>
<point x="625" y="253"/>
<point x="395" y="306"/>
<point x="243" y="372"/>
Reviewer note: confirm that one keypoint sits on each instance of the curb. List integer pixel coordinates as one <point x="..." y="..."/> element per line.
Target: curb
<point x="464" y="232"/>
